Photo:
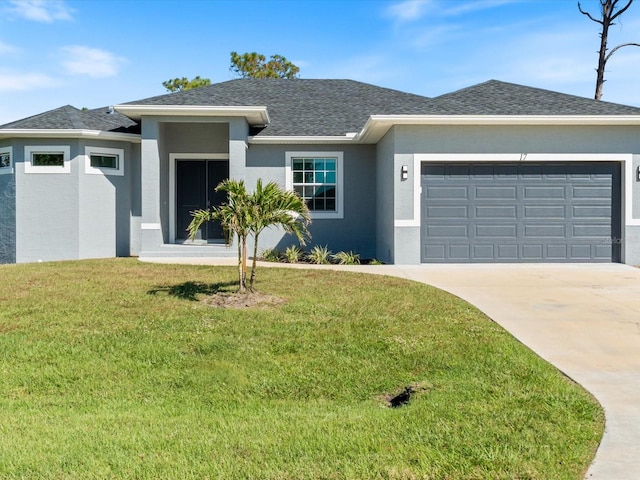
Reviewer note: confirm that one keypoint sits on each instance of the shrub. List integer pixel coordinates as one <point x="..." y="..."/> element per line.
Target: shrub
<point x="319" y="255"/>
<point x="272" y="255"/>
<point x="375" y="261"/>
<point x="293" y="254"/>
<point x="347" y="258"/>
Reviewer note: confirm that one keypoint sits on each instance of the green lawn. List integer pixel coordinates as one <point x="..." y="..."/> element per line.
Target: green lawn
<point x="114" y="369"/>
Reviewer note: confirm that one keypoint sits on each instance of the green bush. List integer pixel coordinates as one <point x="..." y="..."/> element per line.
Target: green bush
<point x="293" y="254"/>
<point x="319" y="255"/>
<point x="346" y="258"/>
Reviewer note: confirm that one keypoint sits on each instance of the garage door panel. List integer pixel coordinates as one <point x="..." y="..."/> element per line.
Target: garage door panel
<point x="555" y="212"/>
<point x="544" y="192"/>
<point x="496" y="230"/>
<point x="591" y="231"/>
<point x="557" y="252"/>
<point x="589" y="191"/>
<point x="448" y="193"/>
<point x="459" y="212"/>
<point x="591" y="211"/>
<point x="496" y="193"/>
<point x="507" y="252"/>
<point x="449" y="231"/>
<point x="496" y="212"/>
<point x="546" y="231"/>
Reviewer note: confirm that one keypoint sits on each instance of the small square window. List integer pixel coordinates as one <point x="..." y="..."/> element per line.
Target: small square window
<point x="104" y="161"/>
<point x="5" y="159"/>
<point x="55" y="159"/>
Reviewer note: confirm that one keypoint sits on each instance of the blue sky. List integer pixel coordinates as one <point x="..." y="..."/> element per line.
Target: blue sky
<point x="92" y="53"/>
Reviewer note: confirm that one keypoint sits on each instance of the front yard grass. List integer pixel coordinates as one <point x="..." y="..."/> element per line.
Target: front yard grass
<point x="115" y="369"/>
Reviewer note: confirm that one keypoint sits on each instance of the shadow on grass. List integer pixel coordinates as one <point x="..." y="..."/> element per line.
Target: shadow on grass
<point x="190" y="290"/>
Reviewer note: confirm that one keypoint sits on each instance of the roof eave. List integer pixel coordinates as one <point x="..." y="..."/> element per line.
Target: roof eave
<point x="255" y="115"/>
<point x="303" y="139"/>
<point x="378" y="125"/>
<point x="68" y="133"/>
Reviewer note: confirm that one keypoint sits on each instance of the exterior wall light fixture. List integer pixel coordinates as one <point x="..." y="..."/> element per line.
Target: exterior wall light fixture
<point x="404" y="172"/>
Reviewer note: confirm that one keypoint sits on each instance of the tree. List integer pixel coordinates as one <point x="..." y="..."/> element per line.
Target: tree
<point x="609" y="11"/>
<point x="180" y="84"/>
<point x="255" y="65"/>
<point x="274" y="206"/>
<point x="245" y="215"/>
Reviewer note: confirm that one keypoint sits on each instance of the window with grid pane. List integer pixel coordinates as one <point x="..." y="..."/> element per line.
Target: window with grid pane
<point x="315" y="180"/>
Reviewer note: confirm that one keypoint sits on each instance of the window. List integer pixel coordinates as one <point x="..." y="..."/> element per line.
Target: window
<point x="317" y="178"/>
<point x="47" y="159"/>
<point x="104" y="161"/>
<point x="6" y="165"/>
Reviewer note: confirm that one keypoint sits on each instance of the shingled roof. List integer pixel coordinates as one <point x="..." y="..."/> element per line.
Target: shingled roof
<point x="307" y="107"/>
<point x="302" y="106"/>
<point x="71" y="118"/>
<point x="501" y="98"/>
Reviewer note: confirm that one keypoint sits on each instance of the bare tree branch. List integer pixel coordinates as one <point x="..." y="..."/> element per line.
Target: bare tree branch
<point x="609" y="13"/>
<point x="621" y="11"/>
<point x="589" y="15"/>
<point x="613" y="50"/>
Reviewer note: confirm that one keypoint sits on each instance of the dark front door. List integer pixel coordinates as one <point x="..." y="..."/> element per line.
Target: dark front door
<point x="196" y="181"/>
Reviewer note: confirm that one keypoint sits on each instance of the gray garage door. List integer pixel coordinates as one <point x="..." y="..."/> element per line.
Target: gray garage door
<point x="494" y="212"/>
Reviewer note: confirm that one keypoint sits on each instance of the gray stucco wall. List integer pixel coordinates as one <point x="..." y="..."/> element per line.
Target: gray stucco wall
<point x="71" y="215"/>
<point x="385" y="205"/>
<point x="7" y="217"/>
<point x="524" y="139"/>
<point x="47" y="214"/>
<point x="357" y="230"/>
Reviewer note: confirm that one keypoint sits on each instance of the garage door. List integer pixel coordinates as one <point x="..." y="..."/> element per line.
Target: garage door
<point x="495" y="212"/>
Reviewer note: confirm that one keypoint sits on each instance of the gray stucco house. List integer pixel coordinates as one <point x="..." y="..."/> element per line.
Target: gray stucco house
<point x="495" y="172"/>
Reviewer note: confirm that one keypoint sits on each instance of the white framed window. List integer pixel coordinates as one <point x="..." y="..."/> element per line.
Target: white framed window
<point x="318" y="178"/>
<point x="103" y="161"/>
<point x="47" y="159"/>
<point x="6" y="160"/>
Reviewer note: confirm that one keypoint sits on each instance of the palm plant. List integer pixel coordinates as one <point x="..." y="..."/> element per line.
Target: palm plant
<point x="235" y="216"/>
<point x="274" y="206"/>
<point x="247" y="214"/>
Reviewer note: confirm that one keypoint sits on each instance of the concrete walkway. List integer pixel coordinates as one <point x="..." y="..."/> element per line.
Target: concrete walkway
<point x="584" y="319"/>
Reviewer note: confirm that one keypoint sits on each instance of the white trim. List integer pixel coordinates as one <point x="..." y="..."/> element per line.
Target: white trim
<point x="378" y="125"/>
<point x="8" y="169"/>
<point x="524" y="157"/>
<point x="304" y="140"/>
<point x="29" y="167"/>
<point x="117" y="152"/>
<point x="172" y="182"/>
<point x="255" y="115"/>
<point x="150" y="226"/>
<point x="68" y="133"/>
<point x="626" y="159"/>
<point x="339" y="156"/>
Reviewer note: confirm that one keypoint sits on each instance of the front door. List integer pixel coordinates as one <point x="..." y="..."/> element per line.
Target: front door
<point x="196" y="181"/>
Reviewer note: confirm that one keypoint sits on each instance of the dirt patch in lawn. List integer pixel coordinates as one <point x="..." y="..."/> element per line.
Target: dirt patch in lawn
<point x="243" y="300"/>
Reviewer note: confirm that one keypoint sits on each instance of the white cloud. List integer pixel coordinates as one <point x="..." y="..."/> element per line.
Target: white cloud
<point x="46" y="11"/>
<point x="412" y="10"/>
<point x="409" y="10"/>
<point x="15" y="82"/>
<point x="89" y="61"/>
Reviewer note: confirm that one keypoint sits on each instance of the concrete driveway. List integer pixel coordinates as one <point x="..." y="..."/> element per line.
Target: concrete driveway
<point x="584" y="319"/>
